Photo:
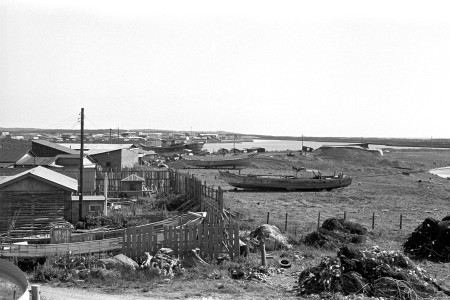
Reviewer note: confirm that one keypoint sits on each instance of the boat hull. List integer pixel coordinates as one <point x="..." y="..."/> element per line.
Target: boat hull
<point x="216" y="161"/>
<point x="256" y="182"/>
<point x="178" y="149"/>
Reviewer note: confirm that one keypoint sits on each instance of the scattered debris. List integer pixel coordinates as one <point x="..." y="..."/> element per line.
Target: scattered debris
<point x="163" y="262"/>
<point x="259" y="274"/>
<point x="335" y="233"/>
<point x="374" y="273"/>
<point x="430" y="240"/>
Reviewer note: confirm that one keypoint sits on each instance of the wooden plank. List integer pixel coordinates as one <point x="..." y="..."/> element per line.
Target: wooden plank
<point x="133" y="249"/>
<point x="165" y="234"/>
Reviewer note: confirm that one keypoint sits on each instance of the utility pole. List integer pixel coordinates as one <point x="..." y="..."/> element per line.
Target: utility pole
<point x="110" y="135"/>
<point x="80" y="199"/>
<point x="118" y="136"/>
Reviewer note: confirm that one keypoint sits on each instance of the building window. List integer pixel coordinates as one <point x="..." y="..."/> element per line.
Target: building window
<point x="108" y="164"/>
<point x="95" y="208"/>
<point x="132" y="186"/>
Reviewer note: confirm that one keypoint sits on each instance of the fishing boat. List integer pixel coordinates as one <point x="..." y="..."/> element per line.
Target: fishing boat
<point x="219" y="161"/>
<point x="268" y="182"/>
<point x="166" y="147"/>
<point x="194" y="146"/>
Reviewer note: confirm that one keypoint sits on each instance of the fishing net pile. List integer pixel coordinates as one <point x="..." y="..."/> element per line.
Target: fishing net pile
<point x="273" y="237"/>
<point x="335" y="233"/>
<point x="373" y="273"/>
<point x="430" y="240"/>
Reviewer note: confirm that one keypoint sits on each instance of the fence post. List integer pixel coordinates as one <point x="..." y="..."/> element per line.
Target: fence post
<point x="318" y="220"/>
<point x="35" y="293"/>
<point x="285" y="224"/>
<point x="268" y="213"/>
<point x="373" y="221"/>
<point x="345" y="215"/>
<point x="401" y="221"/>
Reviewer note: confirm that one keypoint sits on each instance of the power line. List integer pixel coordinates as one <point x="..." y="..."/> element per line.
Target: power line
<point x="63" y="124"/>
<point x="86" y="118"/>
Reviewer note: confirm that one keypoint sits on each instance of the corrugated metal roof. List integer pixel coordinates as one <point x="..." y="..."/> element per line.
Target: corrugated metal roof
<point x="55" y="146"/>
<point x="88" y="147"/>
<point x="50" y="176"/>
<point x="12" y="155"/>
<point x="100" y="151"/>
<point x="133" y="177"/>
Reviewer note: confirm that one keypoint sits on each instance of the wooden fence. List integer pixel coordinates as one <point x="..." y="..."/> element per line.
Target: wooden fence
<point x="199" y="197"/>
<point x="43" y="250"/>
<point x="212" y="240"/>
<point x="215" y="235"/>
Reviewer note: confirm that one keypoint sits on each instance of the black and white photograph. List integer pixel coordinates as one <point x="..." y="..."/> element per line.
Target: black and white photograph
<point x="224" y="149"/>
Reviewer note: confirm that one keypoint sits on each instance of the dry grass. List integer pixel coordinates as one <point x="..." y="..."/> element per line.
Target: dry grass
<point x="378" y="187"/>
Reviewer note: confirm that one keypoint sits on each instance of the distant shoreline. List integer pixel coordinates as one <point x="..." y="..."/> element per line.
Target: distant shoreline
<point x="394" y="142"/>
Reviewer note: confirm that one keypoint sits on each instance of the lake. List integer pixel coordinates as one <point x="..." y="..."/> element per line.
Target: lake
<point x="280" y="145"/>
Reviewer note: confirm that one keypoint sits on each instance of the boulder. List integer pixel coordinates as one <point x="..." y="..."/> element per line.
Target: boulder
<point x="118" y="261"/>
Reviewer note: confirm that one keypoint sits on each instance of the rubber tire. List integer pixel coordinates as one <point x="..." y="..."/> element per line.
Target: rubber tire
<point x="285" y="263"/>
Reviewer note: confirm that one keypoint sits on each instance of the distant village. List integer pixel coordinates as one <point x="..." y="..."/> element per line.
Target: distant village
<point x="117" y="136"/>
<point x="40" y="172"/>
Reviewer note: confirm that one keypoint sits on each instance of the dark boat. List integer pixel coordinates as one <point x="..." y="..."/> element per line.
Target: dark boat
<point x="219" y="161"/>
<point x="166" y="148"/>
<point x="194" y="146"/>
<point x="268" y="182"/>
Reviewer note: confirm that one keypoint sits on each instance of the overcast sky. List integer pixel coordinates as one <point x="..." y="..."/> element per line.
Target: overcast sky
<point x="317" y="68"/>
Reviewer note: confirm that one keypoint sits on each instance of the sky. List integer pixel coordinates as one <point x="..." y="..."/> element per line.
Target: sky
<point x="287" y="68"/>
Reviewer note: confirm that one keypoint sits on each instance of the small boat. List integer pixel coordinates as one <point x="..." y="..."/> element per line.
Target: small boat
<point x="268" y="182"/>
<point x="219" y="161"/>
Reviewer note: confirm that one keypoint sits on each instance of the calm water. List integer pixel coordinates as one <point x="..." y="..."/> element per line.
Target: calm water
<point x="441" y="172"/>
<point x="278" y="145"/>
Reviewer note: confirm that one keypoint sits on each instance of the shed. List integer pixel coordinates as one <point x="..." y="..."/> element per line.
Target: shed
<point x="115" y="159"/>
<point x="31" y="200"/>
<point x="92" y="204"/>
<point x="133" y="183"/>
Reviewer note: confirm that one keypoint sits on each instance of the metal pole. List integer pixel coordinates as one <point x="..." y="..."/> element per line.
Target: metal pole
<point x="80" y="203"/>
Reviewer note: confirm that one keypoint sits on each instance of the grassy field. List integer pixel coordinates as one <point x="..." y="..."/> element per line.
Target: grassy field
<point x="386" y="191"/>
<point x="384" y="187"/>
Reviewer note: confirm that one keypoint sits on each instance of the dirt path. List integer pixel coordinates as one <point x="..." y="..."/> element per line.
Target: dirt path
<point x="57" y="293"/>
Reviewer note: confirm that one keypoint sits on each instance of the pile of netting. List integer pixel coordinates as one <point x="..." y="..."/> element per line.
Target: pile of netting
<point x="373" y="273"/>
<point x="335" y="233"/>
<point x="430" y="240"/>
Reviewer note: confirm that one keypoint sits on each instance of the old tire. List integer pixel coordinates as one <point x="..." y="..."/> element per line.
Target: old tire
<point x="285" y="263"/>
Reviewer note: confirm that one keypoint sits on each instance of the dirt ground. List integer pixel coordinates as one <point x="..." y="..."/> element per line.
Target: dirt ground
<point x="387" y="192"/>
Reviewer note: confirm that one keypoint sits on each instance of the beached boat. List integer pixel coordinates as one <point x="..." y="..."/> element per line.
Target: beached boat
<point x="267" y="182"/>
<point x="219" y="161"/>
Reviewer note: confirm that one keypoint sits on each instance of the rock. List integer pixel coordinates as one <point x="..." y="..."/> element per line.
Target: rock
<point x="126" y="261"/>
<point x="118" y="261"/>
